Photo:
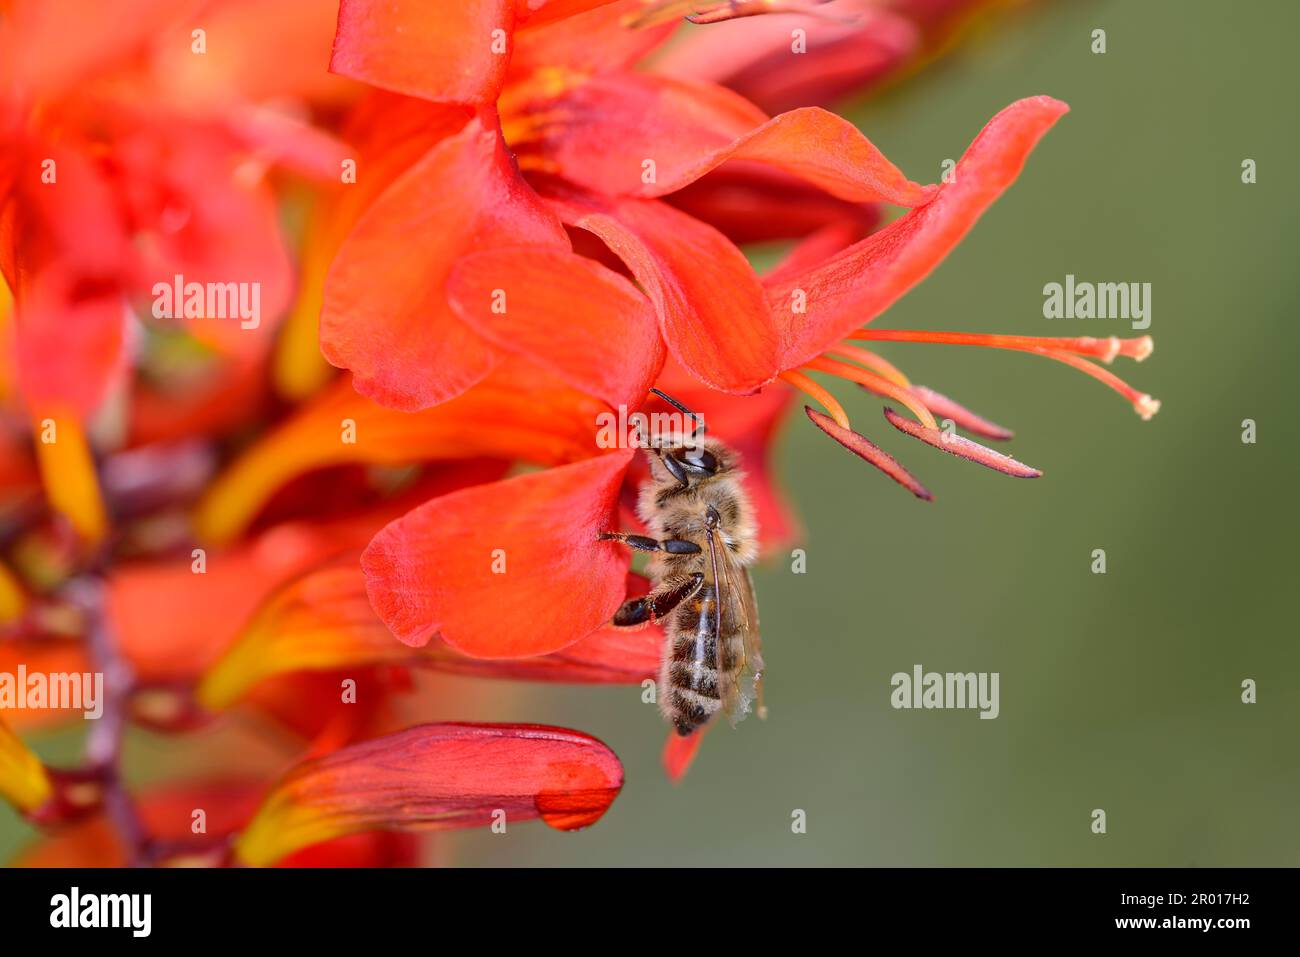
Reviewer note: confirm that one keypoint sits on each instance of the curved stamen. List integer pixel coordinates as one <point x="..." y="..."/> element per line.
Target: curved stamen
<point x="869" y="452"/>
<point x="876" y="384"/>
<point x="947" y="408"/>
<point x="1071" y="355"/>
<point x="1143" y="404"/>
<point x="879" y="365"/>
<point x="962" y="447"/>
<point x="810" y="388"/>
<point x="1104" y="349"/>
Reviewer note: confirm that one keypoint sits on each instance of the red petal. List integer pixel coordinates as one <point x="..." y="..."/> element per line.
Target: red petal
<point x="706" y="293"/>
<point x="853" y="43"/>
<point x="864" y="448"/>
<point x="519" y="413"/>
<point x="586" y="323"/>
<point x="679" y="753"/>
<point x="435" y="50"/>
<point x="432" y="570"/>
<point x="816" y="248"/>
<point x="47" y="46"/>
<point x="750" y="203"/>
<point x="69" y="342"/>
<point x="538" y="12"/>
<point x="66" y="257"/>
<point x="257" y="51"/>
<point x="385" y="314"/>
<point x="961" y="447"/>
<point x="608" y="655"/>
<point x="600" y="133"/>
<point x="173" y="624"/>
<point x="587" y="42"/>
<point x="437" y="776"/>
<point x="196" y="217"/>
<point x="864" y="280"/>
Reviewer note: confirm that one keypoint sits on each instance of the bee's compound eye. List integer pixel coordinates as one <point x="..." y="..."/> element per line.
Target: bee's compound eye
<point x="700" y="460"/>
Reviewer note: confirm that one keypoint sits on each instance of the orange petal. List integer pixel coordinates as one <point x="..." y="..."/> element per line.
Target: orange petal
<point x="516" y="414"/>
<point x="69" y="474"/>
<point x="385" y="315"/>
<point x="752" y="204"/>
<point x="13" y="598"/>
<point x="679" y="753"/>
<point x="708" y="298"/>
<point x="859" y="283"/>
<point x="438" y="51"/>
<point x="23" y="781"/>
<point x="848" y="47"/>
<point x="644" y="135"/>
<point x="437" y="776"/>
<point x="508" y="569"/>
<point x="588" y="41"/>
<point x="47" y="655"/>
<point x="257" y="50"/>
<point x="588" y="324"/>
<point x="173" y="623"/>
<point x="48" y="46"/>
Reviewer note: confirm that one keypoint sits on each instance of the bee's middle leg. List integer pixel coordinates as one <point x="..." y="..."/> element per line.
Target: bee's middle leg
<point x="644" y="543"/>
<point x="637" y="612"/>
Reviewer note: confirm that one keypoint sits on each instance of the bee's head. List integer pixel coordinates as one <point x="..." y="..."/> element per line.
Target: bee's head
<point x="691" y="463"/>
<point x="686" y="460"/>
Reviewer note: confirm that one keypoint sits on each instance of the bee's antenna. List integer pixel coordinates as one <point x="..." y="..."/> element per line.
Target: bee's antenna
<point x="699" y="419"/>
<point x="674" y="403"/>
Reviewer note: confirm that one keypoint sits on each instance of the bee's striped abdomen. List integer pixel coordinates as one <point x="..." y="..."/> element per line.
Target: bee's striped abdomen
<point x="690" y="680"/>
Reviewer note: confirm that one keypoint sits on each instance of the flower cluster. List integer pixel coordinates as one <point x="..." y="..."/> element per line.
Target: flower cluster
<point x="503" y="220"/>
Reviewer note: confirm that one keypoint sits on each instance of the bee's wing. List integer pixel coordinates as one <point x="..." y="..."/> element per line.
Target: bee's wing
<point x="739" y="677"/>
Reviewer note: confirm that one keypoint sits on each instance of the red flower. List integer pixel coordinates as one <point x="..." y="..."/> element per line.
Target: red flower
<point x="539" y="233"/>
<point x="567" y="134"/>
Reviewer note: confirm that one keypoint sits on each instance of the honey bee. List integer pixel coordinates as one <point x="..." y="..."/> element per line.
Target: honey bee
<point x="703" y="538"/>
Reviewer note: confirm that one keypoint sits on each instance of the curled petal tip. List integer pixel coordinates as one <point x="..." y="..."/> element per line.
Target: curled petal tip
<point x="865" y="449"/>
<point x="962" y="447"/>
<point x="1143" y="347"/>
<point x="1146" y="406"/>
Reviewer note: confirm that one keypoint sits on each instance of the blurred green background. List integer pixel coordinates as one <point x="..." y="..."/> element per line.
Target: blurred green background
<point x="1118" y="691"/>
